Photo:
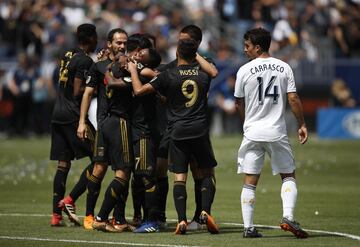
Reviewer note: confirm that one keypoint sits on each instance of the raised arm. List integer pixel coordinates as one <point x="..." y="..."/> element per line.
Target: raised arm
<point x="296" y="108"/>
<point x="138" y="88"/>
<point x="209" y="68"/>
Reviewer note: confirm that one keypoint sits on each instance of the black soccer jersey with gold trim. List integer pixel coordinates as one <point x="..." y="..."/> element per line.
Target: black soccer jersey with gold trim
<point x="74" y="64"/>
<point x="185" y="88"/>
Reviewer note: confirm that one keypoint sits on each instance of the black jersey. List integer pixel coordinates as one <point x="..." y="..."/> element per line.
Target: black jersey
<point x="96" y="80"/>
<point x="161" y="106"/>
<point x="143" y="115"/>
<point x="75" y="63"/>
<point x="185" y="88"/>
<point x="118" y="100"/>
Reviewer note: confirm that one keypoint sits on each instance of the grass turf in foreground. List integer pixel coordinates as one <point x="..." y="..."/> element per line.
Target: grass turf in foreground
<point x="328" y="181"/>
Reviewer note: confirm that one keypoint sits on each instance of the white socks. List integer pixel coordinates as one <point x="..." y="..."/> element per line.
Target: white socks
<point x="288" y="196"/>
<point x="248" y="204"/>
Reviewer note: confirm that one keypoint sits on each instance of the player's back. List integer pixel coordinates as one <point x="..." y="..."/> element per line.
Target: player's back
<point x="74" y="64"/>
<point x="265" y="82"/>
<point x="187" y="99"/>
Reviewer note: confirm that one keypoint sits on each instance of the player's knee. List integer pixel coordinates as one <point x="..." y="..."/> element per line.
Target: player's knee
<point x="99" y="170"/>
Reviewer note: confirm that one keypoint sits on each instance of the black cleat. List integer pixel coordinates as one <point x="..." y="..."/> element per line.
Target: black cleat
<point x="251" y="232"/>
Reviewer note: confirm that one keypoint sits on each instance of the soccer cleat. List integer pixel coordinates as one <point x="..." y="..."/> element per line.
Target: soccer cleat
<point x="251" y="232"/>
<point x="68" y="206"/>
<point x="162" y="225"/>
<point x="294" y="227"/>
<point x="181" y="227"/>
<point x="57" y="220"/>
<point x="148" y="227"/>
<point x="194" y="226"/>
<point x="207" y="219"/>
<point x="104" y="226"/>
<point x="137" y="221"/>
<point x="88" y="221"/>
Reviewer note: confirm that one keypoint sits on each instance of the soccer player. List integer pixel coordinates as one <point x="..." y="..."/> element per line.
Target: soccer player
<point x="186" y="88"/>
<point x="116" y="42"/>
<point x="117" y="144"/>
<point x="65" y="145"/>
<point x="195" y="33"/>
<point x="145" y="139"/>
<point x="262" y="87"/>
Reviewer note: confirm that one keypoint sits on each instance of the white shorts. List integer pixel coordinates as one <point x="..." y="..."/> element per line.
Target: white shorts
<point x="92" y="112"/>
<point x="251" y="156"/>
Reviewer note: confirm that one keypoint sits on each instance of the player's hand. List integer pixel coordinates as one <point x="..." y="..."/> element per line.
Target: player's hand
<point x="102" y="54"/>
<point x="303" y="134"/>
<point x="81" y="131"/>
<point x="132" y="66"/>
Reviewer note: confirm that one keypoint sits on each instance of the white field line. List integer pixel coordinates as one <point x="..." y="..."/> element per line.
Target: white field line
<point x="356" y="237"/>
<point x="92" y="242"/>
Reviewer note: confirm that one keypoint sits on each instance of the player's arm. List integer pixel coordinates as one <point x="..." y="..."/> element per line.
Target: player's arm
<point x="78" y="87"/>
<point x="209" y="68"/>
<point x="84" y="108"/>
<point x="113" y="82"/>
<point x="240" y="106"/>
<point x="296" y="108"/>
<point x="138" y="88"/>
<point x="149" y="73"/>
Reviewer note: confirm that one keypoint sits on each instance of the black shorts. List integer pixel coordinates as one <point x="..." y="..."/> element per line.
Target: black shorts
<point x="145" y="157"/>
<point x="163" y="149"/>
<point x="182" y="151"/>
<point x="99" y="147"/>
<point x="66" y="146"/>
<point x="117" y="143"/>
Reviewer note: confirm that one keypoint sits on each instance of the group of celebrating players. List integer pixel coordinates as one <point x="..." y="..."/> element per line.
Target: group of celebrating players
<point x="148" y="116"/>
<point x="152" y="118"/>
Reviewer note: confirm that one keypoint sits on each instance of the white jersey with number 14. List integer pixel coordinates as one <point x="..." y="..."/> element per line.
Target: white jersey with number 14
<point x="264" y="83"/>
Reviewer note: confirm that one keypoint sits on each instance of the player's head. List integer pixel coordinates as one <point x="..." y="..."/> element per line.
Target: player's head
<point x="136" y="42"/>
<point x="256" y="42"/>
<point x="149" y="57"/>
<point x="191" y="32"/>
<point x="116" y="40"/>
<point x="87" y="36"/>
<point x="152" y="39"/>
<point x="187" y="49"/>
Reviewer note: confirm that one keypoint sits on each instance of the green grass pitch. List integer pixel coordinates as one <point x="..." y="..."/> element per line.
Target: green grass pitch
<point x="328" y="175"/>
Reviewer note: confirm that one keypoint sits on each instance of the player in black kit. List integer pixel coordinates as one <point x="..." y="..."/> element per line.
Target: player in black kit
<point x="116" y="44"/>
<point x="186" y="88"/>
<point x="65" y="145"/>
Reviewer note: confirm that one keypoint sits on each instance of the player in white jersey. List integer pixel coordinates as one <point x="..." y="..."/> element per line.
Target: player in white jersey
<point x="262" y="88"/>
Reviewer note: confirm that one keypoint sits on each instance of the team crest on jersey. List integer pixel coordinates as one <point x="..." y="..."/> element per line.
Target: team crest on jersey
<point x="127" y="79"/>
<point x="88" y="79"/>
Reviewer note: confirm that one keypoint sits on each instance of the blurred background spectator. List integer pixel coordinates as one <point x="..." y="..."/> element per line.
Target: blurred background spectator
<point x="319" y="38"/>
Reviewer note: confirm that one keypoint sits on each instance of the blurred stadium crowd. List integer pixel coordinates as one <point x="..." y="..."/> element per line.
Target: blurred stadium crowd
<point x="316" y="37"/>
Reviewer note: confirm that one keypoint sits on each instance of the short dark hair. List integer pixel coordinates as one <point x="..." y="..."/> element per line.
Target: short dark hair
<point x="110" y="35"/>
<point x="187" y="49"/>
<point x="152" y="39"/>
<point x="85" y="32"/>
<point x="193" y="31"/>
<point x="137" y="40"/>
<point x="259" y="36"/>
<point x="154" y="59"/>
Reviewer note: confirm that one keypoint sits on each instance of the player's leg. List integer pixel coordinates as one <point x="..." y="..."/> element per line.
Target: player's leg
<point x="282" y="161"/>
<point x="204" y="155"/>
<point x="197" y="176"/>
<point x="180" y="158"/>
<point x="100" y="159"/>
<point x="121" y="161"/>
<point x="250" y="161"/>
<point x="61" y="152"/>
<point x="138" y="197"/>
<point x="145" y="165"/>
<point x="81" y="148"/>
<point x="162" y="180"/>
